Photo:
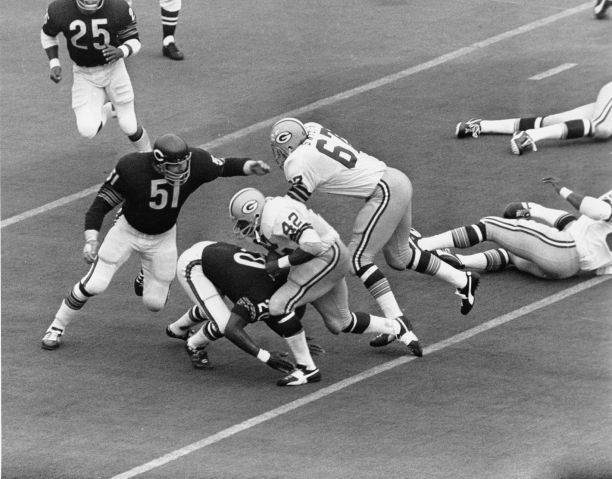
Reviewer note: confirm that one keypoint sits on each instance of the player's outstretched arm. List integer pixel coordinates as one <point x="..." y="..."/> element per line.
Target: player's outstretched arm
<point x="594" y="208"/>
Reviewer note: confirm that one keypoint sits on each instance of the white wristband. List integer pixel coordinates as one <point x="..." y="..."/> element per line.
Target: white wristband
<point x="54" y="62"/>
<point x="91" y="235"/>
<point x="263" y="355"/>
<point x="565" y="192"/>
<point x="283" y="262"/>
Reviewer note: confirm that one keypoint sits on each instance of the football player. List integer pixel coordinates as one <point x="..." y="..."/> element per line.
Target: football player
<point x="303" y="244"/>
<point x="210" y="271"/>
<point x="312" y="158"/>
<point x="593" y="120"/>
<point x="151" y="187"/>
<point x="545" y="242"/>
<point x="99" y="35"/>
<point x="170" y="10"/>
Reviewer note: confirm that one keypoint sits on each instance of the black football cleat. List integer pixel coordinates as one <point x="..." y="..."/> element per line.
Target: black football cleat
<point x="198" y="357"/>
<point x="517" y="210"/>
<point x="184" y="336"/>
<point x="450" y="258"/>
<point x="300" y="376"/>
<point x="468" y="292"/>
<point x="139" y="284"/>
<point x="171" y="51"/>
<point x="599" y="10"/>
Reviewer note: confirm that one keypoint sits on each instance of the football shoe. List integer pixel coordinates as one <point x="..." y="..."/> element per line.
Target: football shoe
<point x="469" y="128"/>
<point x="139" y="284"/>
<point x="408" y="338"/>
<point x="300" y="376"/>
<point x="522" y="142"/>
<point x="51" y="339"/>
<point x="450" y="258"/>
<point x="468" y="292"/>
<point x="517" y="210"/>
<point x="187" y="332"/>
<point x="599" y="10"/>
<point x="171" y="51"/>
<point x="198" y="357"/>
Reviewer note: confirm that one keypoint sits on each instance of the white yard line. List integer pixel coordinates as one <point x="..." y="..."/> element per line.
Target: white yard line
<point x="552" y="71"/>
<point x="333" y="388"/>
<point x="331" y="100"/>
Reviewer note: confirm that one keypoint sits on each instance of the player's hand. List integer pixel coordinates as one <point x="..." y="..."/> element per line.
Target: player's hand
<point x="55" y="74"/>
<point x="258" y="167"/>
<point x="112" y="54"/>
<point x="554" y="181"/>
<point x="272" y="267"/>
<point x="314" y="348"/>
<point x="278" y="362"/>
<point x="90" y="251"/>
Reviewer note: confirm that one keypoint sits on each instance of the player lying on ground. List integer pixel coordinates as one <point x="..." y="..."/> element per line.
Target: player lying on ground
<point x="593" y="120"/>
<point x="544" y="242"/>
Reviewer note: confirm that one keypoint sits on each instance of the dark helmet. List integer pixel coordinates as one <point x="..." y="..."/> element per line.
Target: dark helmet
<point x="172" y="158"/>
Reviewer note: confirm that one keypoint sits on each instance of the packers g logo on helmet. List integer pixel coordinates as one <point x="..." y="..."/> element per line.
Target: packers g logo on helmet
<point x="249" y="207"/>
<point x="283" y="137"/>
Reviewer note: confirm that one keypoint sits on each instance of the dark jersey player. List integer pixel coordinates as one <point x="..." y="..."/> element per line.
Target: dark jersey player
<point x="209" y="271"/>
<point x="99" y="35"/>
<point x="151" y="187"/>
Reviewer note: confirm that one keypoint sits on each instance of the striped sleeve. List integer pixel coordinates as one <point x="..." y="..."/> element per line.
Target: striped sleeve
<point x="299" y="192"/>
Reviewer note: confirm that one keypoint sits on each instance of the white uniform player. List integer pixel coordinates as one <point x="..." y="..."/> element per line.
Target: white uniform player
<point x="592" y="120"/>
<point x="314" y="158"/>
<point x="544" y="242"/>
<point x="304" y="243"/>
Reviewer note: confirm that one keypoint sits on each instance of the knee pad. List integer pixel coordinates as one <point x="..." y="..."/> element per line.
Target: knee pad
<point x="155" y="302"/>
<point x="603" y="131"/>
<point x="88" y="128"/>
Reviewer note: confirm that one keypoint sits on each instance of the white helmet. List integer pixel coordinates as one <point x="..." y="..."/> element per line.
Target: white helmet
<point x="89" y="6"/>
<point x="286" y="135"/>
<point x="245" y="209"/>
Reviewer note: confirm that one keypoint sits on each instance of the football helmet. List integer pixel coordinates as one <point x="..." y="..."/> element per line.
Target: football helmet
<point x="172" y="158"/>
<point x="286" y="135"/>
<point x="89" y="6"/>
<point x="245" y="209"/>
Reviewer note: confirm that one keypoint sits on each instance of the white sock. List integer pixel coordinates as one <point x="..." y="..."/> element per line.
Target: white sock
<point x="502" y="127"/>
<point x="439" y="241"/>
<point x="299" y="347"/>
<point x="198" y="340"/>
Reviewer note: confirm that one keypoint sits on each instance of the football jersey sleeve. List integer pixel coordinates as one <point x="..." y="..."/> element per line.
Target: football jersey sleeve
<point x="50" y="27"/>
<point x="302" y="172"/>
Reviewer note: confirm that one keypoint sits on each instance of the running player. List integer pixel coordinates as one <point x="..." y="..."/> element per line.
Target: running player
<point x="152" y="188"/>
<point x="314" y="158"/>
<point x="100" y="34"/>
